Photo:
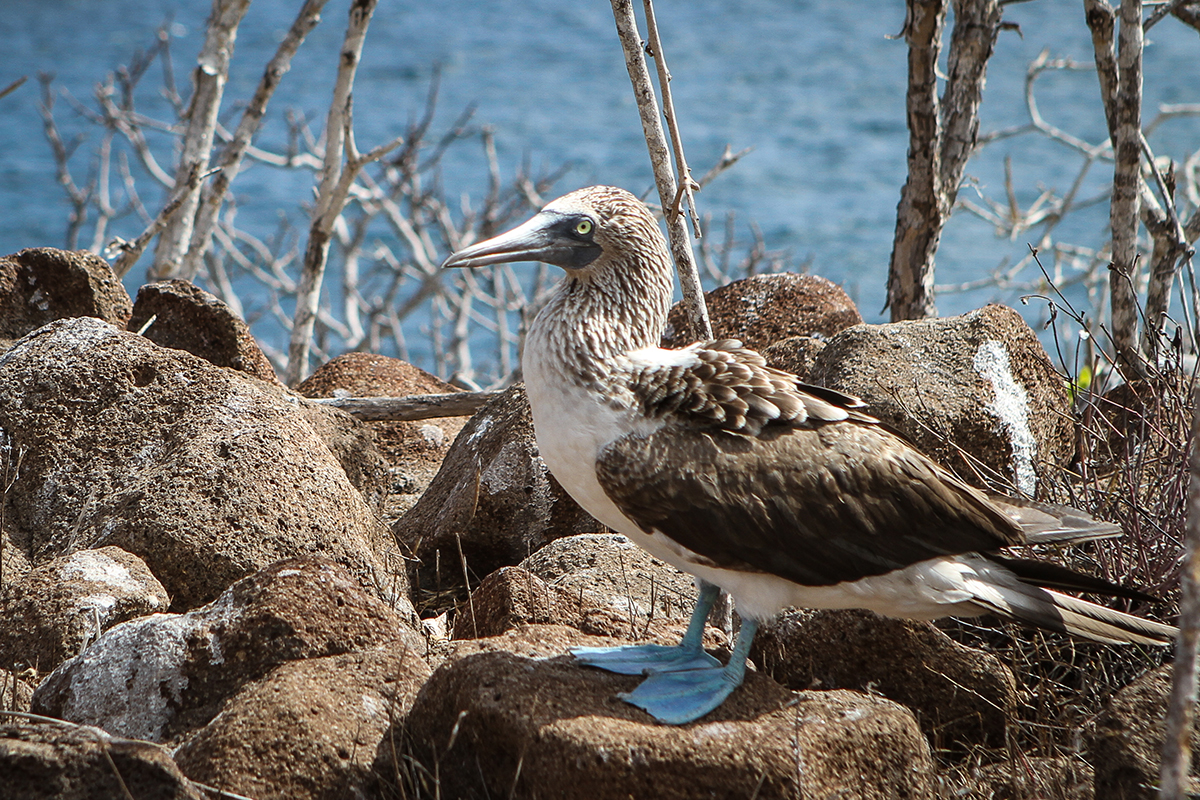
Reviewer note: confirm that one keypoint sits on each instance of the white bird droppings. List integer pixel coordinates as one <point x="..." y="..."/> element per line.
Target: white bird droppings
<point x="1010" y="405"/>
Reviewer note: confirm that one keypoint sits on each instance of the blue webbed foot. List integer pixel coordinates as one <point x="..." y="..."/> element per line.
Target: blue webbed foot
<point x="677" y="698"/>
<point x="644" y="659"/>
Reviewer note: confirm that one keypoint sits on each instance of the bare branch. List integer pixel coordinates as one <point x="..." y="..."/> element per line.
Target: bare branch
<point x="660" y="161"/>
<point x="212" y="70"/>
<point x="335" y="187"/>
<point x="1177" y="742"/>
<point x="231" y="157"/>
<point x="406" y="409"/>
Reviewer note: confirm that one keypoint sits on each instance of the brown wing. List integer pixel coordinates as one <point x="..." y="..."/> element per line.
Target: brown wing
<point x="816" y="504"/>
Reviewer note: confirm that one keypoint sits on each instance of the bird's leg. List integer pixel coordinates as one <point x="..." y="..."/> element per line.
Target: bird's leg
<point x="681" y="697"/>
<point x="643" y="659"/>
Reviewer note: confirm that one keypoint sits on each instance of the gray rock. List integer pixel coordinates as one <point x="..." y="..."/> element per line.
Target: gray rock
<point x="161" y="676"/>
<point x="206" y="475"/>
<point x="52" y="613"/>
<point x="493" y="500"/>
<point x="979" y="383"/>
<point x="500" y="724"/>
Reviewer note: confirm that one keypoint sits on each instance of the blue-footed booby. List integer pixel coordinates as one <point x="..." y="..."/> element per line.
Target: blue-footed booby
<point x="780" y="493"/>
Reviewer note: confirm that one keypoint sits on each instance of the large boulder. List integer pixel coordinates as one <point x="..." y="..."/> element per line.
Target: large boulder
<point x="979" y="384"/>
<point x="500" y="724"/>
<point x="309" y="729"/>
<point x="58" y="608"/>
<point x="962" y="697"/>
<point x="413" y="450"/>
<point x="42" y="284"/>
<point x="492" y="503"/>
<point x="206" y="475"/>
<point x="51" y="761"/>
<point x="181" y="315"/>
<point x="163" y="676"/>
<point x="764" y="309"/>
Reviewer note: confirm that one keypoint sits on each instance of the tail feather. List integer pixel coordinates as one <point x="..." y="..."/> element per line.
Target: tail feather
<point x="1046" y="608"/>
<point x="1047" y="523"/>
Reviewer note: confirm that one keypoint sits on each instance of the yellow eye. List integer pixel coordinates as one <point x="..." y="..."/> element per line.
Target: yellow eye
<point x="583" y="227"/>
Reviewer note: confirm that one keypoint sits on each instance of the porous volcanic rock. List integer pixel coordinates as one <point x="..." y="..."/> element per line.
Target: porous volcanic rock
<point x="180" y="315"/>
<point x="53" y="612"/>
<point x="979" y="383"/>
<point x="206" y="475"/>
<point x="42" y="284"/>
<point x="617" y="574"/>
<point x="795" y="354"/>
<point x="1127" y="742"/>
<point x="962" y="697"/>
<point x="162" y="676"/>
<point x="309" y="729"/>
<point x="512" y="597"/>
<point x="493" y="500"/>
<point x="413" y="450"/>
<point x="502" y="724"/>
<point x="50" y="761"/>
<point x="764" y="309"/>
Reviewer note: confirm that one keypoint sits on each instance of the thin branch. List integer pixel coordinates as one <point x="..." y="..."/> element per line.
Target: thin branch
<point x="660" y="161"/>
<point x="231" y="157"/>
<point x="212" y="70"/>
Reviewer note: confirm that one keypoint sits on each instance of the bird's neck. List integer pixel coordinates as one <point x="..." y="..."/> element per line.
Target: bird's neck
<point x="590" y="322"/>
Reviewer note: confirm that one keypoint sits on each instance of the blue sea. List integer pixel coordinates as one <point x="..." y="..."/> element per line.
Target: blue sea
<point x="815" y="88"/>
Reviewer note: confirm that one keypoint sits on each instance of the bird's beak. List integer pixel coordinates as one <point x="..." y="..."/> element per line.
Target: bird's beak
<point x="542" y="238"/>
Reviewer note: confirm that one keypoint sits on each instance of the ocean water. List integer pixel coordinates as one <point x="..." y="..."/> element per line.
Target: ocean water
<point x="816" y="88"/>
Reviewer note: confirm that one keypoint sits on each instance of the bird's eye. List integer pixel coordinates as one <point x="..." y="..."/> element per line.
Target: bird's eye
<point x="583" y="227"/>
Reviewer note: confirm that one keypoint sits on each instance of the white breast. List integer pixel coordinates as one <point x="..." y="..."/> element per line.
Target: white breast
<point x="573" y="424"/>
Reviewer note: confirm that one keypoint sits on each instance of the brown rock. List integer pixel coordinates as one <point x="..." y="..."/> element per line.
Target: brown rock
<point x="52" y="613"/>
<point x="1063" y="778"/>
<point x="616" y="574"/>
<point x="493" y="499"/>
<point x="979" y="383"/>
<point x="206" y="475"/>
<point x="16" y="693"/>
<point x="1127" y="742"/>
<point x="764" y="309"/>
<point x="962" y="697"/>
<point x="413" y="450"/>
<point x="308" y="729"/>
<point x="796" y="354"/>
<point x="160" y="677"/>
<point x="48" y="761"/>
<point x="550" y="728"/>
<point x="185" y="317"/>
<point x="42" y="284"/>
<point x="353" y="444"/>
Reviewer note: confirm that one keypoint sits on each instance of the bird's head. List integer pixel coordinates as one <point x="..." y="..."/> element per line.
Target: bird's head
<point x="585" y="232"/>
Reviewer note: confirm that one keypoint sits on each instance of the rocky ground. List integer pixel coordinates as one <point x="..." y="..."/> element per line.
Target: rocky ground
<point x="214" y="587"/>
